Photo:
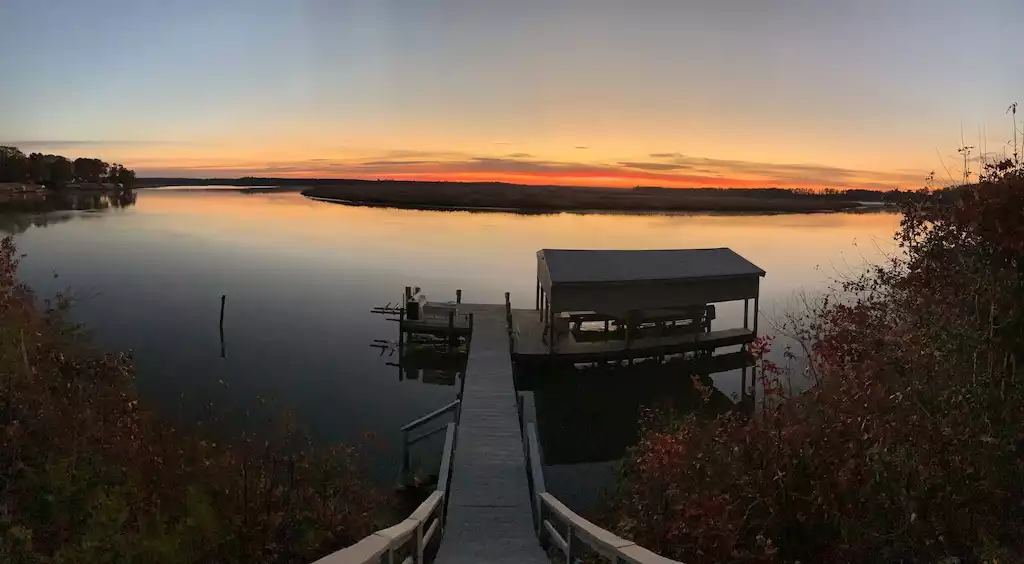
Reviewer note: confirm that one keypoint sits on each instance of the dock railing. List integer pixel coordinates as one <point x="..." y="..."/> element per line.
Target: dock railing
<point x="408" y="439"/>
<point x="510" y="326"/>
<point x="408" y="541"/>
<point x="561" y="527"/>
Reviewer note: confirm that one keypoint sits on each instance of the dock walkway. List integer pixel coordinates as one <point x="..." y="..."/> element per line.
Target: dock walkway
<point x="489" y="512"/>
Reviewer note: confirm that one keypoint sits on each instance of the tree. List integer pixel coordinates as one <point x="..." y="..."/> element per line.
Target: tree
<point x="126" y="177"/>
<point x="90" y="170"/>
<point x="60" y="171"/>
<point x="37" y="168"/>
<point x="13" y="165"/>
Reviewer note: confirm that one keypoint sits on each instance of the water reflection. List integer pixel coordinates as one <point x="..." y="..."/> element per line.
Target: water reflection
<point x="591" y="414"/>
<point x="19" y="212"/>
<point x="301" y="277"/>
<point x="587" y="418"/>
<point x="428" y="362"/>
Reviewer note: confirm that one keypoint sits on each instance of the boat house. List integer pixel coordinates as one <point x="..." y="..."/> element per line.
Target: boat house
<point x="631" y="300"/>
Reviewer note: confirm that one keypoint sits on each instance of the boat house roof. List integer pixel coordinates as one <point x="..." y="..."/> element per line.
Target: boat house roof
<point x="615" y="281"/>
<point x="565" y="266"/>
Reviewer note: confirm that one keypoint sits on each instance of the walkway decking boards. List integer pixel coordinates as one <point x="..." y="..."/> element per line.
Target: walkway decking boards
<point x="489" y="515"/>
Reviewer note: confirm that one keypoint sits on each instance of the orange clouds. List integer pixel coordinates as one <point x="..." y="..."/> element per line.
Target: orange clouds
<point x="667" y="169"/>
<point x="658" y="169"/>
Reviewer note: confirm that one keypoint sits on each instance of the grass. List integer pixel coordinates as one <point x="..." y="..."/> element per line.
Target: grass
<point x="540" y="199"/>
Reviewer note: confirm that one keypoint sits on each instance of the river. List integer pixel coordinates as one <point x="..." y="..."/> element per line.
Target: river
<point x="300" y="278"/>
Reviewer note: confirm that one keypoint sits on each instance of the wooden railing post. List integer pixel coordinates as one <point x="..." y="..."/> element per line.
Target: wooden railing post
<point x="569" y="545"/>
<point x="573" y="544"/>
<point x="419" y="543"/>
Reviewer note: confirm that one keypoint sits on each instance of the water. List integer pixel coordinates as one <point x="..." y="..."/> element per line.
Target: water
<point x="301" y="276"/>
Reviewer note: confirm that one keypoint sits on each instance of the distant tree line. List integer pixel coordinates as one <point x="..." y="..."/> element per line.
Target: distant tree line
<point x="895" y="196"/>
<point x="55" y="171"/>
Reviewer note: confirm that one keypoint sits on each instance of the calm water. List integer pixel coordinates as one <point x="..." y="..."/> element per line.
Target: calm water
<point x="301" y="276"/>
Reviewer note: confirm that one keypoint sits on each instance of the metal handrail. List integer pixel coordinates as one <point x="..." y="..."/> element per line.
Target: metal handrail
<point x="412" y="535"/>
<point x="407" y="429"/>
<point x="430" y="416"/>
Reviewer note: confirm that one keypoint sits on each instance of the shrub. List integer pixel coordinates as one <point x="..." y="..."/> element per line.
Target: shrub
<point x="88" y="475"/>
<point x="911" y="446"/>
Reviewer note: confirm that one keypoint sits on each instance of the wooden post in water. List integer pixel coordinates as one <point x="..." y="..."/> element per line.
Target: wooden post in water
<point x="401" y="331"/>
<point x="223" y="298"/>
<point x="451" y="329"/>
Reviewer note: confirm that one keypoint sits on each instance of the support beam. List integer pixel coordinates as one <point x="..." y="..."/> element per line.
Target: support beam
<point x="536" y="300"/>
<point x="746" y="313"/>
<point x="551" y="330"/>
<point x="757" y="297"/>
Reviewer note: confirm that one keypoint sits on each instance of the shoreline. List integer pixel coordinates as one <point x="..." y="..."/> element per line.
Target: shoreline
<point x="523" y="199"/>
<point x="860" y="208"/>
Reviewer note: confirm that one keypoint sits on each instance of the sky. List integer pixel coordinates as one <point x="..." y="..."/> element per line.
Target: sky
<point x="795" y="93"/>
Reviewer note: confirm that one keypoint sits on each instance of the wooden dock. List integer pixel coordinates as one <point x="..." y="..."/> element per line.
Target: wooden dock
<point x="489" y="512"/>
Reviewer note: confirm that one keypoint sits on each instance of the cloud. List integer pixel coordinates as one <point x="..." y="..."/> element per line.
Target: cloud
<point x="394" y="163"/>
<point x="582" y="147"/>
<point x="59" y="144"/>
<point x="654" y="166"/>
<point x="677" y="170"/>
<point x="793" y="174"/>
<point x="409" y="154"/>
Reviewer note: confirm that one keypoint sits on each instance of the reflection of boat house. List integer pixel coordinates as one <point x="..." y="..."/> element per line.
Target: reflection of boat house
<point x="591" y="413"/>
<point x="594" y="305"/>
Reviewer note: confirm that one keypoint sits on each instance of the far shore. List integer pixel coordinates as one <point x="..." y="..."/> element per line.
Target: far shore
<point x="478" y="197"/>
<point x="532" y="199"/>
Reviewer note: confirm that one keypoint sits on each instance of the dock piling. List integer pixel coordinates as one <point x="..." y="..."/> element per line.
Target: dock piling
<point x="223" y="298"/>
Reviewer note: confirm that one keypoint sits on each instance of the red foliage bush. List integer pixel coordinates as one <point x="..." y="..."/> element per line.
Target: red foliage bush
<point x="87" y="475"/>
<point x="911" y="446"/>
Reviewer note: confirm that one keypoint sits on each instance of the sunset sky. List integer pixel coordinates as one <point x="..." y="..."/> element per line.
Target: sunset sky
<point x="815" y="93"/>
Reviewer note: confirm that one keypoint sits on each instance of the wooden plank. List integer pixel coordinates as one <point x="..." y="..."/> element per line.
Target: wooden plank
<point x="428" y="506"/>
<point x="446" y="458"/>
<point x="366" y="551"/>
<point x="398" y="534"/>
<point x="555" y="537"/>
<point x="489" y="511"/>
<point x="429" y="535"/>
<point x="600" y="540"/>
